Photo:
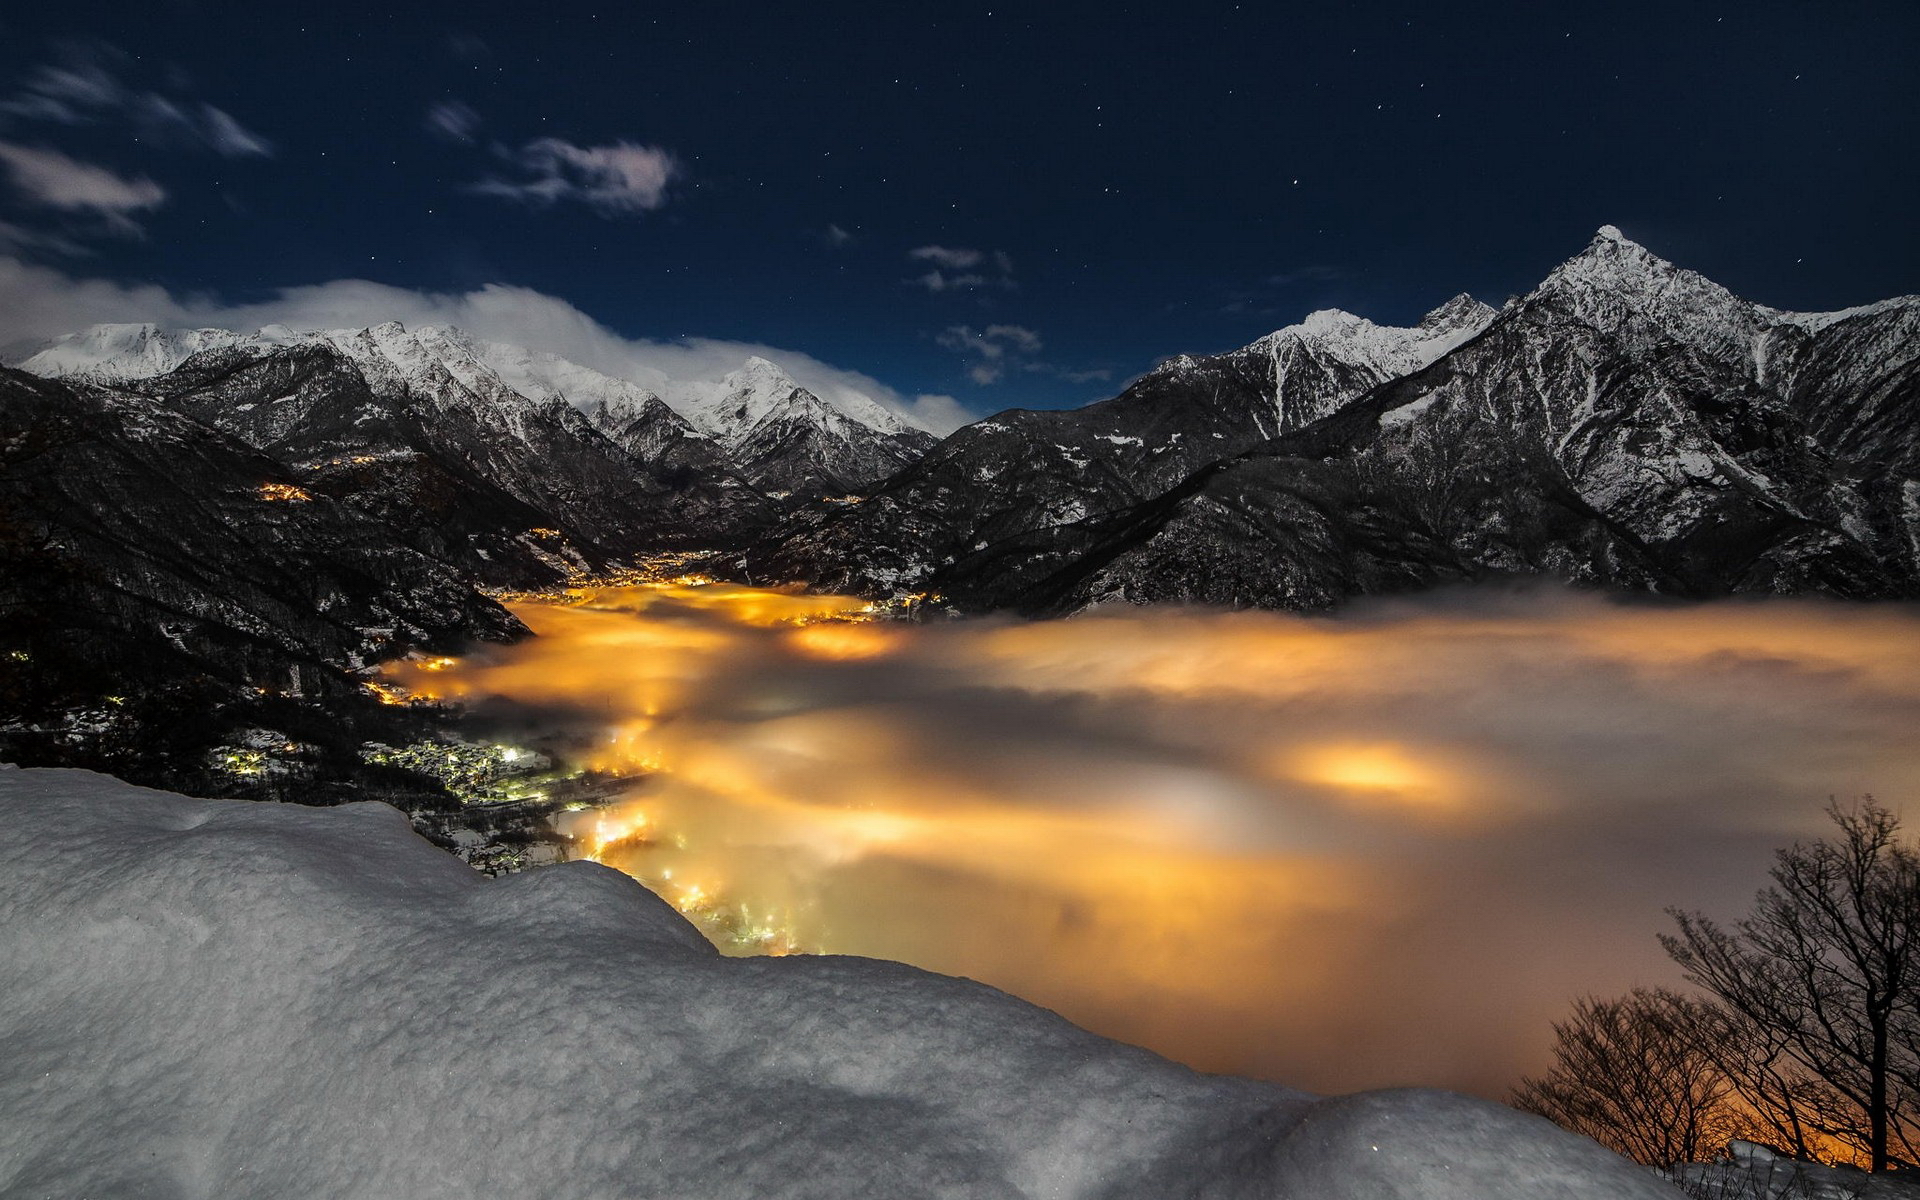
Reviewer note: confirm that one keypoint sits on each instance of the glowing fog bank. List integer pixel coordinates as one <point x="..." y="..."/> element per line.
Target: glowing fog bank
<point x="1386" y="848"/>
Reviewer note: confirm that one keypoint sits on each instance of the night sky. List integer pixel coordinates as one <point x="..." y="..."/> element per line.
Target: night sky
<point x="1005" y="204"/>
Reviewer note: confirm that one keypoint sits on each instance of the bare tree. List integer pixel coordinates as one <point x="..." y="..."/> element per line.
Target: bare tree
<point x="1634" y="1074"/>
<point x="1821" y="987"/>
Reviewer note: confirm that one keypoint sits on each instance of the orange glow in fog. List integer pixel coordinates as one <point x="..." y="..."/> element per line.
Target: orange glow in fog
<point x="1381" y="849"/>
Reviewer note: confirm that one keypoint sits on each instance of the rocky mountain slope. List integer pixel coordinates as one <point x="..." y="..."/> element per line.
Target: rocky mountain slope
<point x="163" y="580"/>
<point x="1024" y="470"/>
<point x="1627" y="424"/>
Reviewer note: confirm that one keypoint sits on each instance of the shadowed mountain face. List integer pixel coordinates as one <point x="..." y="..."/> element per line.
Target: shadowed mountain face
<point x="604" y="457"/>
<point x="517" y="492"/>
<point x="182" y="534"/>
<point x="1025" y="471"/>
<point x="154" y="569"/>
<point x="1628" y="424"/>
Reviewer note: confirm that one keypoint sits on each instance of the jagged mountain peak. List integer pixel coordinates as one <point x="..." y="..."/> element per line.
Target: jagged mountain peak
<point x="1614" y="263"/>
<point x="1613" y="248"/>
<point x="759" y="375"/>
<point x="1386" y="349"/>
<point x="1621" y="288"/>
<point x="1462" y="310"/>
<point x="1332" y="321"/>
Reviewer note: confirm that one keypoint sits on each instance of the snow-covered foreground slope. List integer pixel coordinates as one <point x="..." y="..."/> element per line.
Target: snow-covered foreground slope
<point x="217" y="998"/>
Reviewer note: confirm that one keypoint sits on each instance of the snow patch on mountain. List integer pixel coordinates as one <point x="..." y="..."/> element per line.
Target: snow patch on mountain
<point x="1387" y="350"/>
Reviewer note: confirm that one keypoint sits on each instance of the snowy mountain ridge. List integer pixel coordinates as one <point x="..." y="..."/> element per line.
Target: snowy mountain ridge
<point x="1627" y="423"/>
<point x="759" y="424"/>
<point x="1623" y="288"/>
<point x="728" y="408"/>
<point x="1391" y="350"/>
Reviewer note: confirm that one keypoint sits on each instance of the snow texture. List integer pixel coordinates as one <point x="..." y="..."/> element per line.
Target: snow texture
<point x="220" y="998"/>
<point x="1753" y="1172"/>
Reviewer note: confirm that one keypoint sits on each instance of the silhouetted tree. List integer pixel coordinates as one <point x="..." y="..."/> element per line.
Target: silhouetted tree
<point x="1635" y="1074"/>
<point x="1820" y="989"/>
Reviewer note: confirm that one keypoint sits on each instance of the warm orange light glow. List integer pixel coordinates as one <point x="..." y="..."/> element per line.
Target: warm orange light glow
<point x="1382" y="849"/>
<point x="387" y="693"/>
<point x="844" y="641"/>
<point x="285" y="493"/>
<point x="1379" y="774"/>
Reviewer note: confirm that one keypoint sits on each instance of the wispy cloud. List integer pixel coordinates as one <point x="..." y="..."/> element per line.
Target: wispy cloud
<point x="836" y="236"/>
<point x="618" y="178"/>
<point x="962" y="268"/>
<point x="38" y="303"/>
<point x="992" y="350"/>
<point x="453" y="120"/>
<point x="951" y="258"/>
<point x="85" y="90"/>
<point x="52" y="180"/>
<point x="18" y="237"/>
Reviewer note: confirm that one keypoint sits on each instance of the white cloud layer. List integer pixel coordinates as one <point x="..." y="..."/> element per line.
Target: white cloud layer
<point x="613" y="179"/>
<point x="39" y="303"/>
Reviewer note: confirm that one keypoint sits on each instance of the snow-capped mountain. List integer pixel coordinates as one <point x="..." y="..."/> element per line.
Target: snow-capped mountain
<point x="767" y="429"/>
<point x="1628" y="423"/>
<point x="785" y="438"/>
<point x="1024" y="472"/>
<point x="414" y="431"/>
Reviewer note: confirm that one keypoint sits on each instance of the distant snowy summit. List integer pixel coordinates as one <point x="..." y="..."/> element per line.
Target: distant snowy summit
<point x="756" y="412"/>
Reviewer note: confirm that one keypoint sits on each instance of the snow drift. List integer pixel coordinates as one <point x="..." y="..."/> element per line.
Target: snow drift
<point x="217" y="998"/>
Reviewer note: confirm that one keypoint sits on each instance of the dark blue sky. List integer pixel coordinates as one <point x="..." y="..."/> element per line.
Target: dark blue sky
<point x="1134" y="181"/>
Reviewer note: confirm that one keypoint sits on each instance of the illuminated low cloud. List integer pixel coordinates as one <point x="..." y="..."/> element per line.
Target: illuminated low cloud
<point x="1379" y="849"/>
<point x="613" y="179"/>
